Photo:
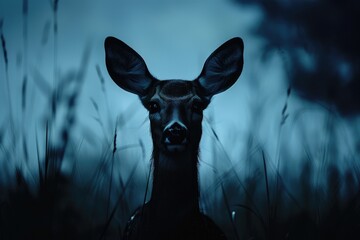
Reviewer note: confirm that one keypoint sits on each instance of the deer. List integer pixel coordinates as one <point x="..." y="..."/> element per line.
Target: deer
<point x="175" y="112"/>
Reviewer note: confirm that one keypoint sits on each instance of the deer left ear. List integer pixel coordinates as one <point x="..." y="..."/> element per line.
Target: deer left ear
<point x="127" y="68"/>
<point x="222" y="68"/>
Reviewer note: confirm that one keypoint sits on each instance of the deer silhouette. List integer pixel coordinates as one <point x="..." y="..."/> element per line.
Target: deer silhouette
<point x="175" y="112"/>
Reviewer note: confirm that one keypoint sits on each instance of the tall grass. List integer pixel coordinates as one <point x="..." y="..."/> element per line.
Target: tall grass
<point x="262" y="202"/>
<point x="6" y="65"/>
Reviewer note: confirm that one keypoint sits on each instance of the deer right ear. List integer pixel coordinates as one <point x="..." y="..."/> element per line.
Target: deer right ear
<point x="222" y="68"/>
<point x="126" y="67"/>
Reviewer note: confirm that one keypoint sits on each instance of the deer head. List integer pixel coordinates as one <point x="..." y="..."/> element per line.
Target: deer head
<point x="175" y="106"/>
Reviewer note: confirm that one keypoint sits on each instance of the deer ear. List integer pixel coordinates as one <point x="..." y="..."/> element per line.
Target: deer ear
<point x="222" y="68"/>
<point x="126" y="67"/>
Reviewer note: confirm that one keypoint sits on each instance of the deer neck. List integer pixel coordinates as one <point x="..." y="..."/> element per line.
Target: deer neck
<point x="175" y="190"/>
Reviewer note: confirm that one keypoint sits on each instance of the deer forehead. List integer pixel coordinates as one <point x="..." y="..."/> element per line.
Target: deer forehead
<point x="176" y="90"/>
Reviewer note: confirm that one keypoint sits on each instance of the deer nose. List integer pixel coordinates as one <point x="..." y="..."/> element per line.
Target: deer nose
<point x="175" y="133"/>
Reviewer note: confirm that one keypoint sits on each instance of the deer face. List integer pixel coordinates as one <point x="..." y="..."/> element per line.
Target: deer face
<point x="175" y="106"/>
<point x="175" y="112"/>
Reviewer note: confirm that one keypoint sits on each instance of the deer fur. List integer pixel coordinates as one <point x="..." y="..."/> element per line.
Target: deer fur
<point x="175" y="112"/>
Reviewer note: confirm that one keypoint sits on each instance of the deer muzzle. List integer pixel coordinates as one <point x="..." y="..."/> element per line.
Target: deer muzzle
<point x="175" y="134"/>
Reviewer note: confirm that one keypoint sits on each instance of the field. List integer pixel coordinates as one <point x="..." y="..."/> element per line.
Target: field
<point x="294" y="175"/>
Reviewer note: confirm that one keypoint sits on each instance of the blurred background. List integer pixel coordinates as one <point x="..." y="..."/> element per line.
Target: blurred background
<point x="280" y="149"/>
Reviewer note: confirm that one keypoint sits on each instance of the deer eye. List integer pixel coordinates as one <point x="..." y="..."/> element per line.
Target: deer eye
<point x="197" y="107"/>
<point x="154" y="107"/>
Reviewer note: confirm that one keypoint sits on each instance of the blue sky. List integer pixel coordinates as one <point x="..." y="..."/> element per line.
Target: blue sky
<point x="174" y="38"/>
